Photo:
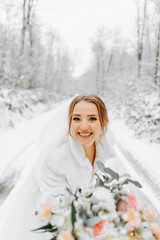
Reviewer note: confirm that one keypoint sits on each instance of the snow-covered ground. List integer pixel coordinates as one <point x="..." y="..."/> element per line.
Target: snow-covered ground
<point x="16" y="151"/>
<point x="148" y="153"/>
<point x="17" y="106"/>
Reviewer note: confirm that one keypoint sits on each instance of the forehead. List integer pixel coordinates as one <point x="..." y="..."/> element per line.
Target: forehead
<point x="85" y="107"/>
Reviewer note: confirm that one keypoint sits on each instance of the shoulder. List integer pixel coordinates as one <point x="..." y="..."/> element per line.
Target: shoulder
<point x="57" y="158"/>
<point x="61" y="151"/>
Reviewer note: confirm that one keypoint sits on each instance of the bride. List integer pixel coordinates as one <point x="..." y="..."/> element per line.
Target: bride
<point x="66" y="156"/>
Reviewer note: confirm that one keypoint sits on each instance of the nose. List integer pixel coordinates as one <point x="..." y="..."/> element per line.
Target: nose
<point x="84" y="125"/>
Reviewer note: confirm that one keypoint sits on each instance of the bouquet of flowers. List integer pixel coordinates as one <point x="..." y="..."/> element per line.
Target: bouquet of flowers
<point x="105" y="211"/>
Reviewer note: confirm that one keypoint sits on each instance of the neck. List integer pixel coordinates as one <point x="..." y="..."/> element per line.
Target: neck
<point x="90" y="153"/>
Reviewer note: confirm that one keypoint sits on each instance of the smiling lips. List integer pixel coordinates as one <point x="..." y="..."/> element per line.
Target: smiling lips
<point x="84" y="134"/>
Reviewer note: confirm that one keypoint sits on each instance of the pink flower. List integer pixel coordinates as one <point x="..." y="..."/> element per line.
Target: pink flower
<point x="123" y="207"/>
<point x="65" y="236"/>
<point x="155" y="228"/>
<point x="100" y="230"/>
<point x="132" y="201"/>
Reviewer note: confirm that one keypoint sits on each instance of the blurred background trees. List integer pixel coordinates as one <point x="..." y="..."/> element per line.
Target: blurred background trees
<point x="26" y="60"/>
<point x="124" y="70"/>
<point x="135" y="60"/>
<point x="29" y="61"/>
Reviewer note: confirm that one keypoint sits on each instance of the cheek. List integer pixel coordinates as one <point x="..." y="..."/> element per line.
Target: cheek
<point x="97" y="128"/>
<point x="73" y="127"/>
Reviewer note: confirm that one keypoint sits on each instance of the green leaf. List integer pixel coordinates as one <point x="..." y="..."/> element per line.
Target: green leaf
<point x="46" y="228"/>
<point x="81" y="211"/>
<point x="83" y="215"/>
<point x="53" y="230"/>
<point x="125" y="175"/>
<point x="109" y="180"/>
<point x="112" y="173"/>
<point x="90" y="222"/>
<point x="76" y="191"/>
<point x="69" y="191"/>
<point x="106" y="178"/>
<point x="73" y="214"/>
<point x="125" y="181"/>
<point x="99" y="183"/>
<point x="136" y="183"/>
<point x="107" y="187"/>
<point x="54" y="238"/>
<point x="101" y="166"/>
<point x="36" y="213"/>
<point x="80" y="190"/>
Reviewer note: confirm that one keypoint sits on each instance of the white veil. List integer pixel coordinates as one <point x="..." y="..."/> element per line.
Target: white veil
<point x="17" y="212"/>
<point x="53" y="135"/>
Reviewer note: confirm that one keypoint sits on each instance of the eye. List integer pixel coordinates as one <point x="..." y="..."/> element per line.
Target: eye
<point x="76" y="118"/>
<point x="93" y="119"/>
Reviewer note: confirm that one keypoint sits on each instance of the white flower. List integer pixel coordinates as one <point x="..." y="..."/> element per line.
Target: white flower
<point x="118" y="237"/>
<point x="95" y="208"/>
<point x="83" y="232"/>
<point x="145" y="224"/>
<point x="123" y="230"/>
<point x="145" y="233"/>
<point x="57" y="220"/>
<point x="102" y="194"/>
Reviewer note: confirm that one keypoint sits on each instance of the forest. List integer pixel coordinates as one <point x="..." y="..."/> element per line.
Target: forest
<point x="36" y="67"/>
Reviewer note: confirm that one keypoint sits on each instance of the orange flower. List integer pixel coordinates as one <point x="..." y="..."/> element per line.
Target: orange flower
<point x="46" y="211"/>
<point x="131" y="214"/>
<point x="149" y="210"/>
<point x="100" y="228"/>
<point x="132" y="218"/>
<point x="129" y="234"/>
<point x="136" y="238"/>
<point x="65" y="236"/>
<point x="155" y="228"/>
<point x="132" y="202"/>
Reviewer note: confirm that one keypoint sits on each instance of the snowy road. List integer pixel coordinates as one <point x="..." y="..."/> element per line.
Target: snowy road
<point x="16" y="161"/>
<point x="140" y="170"/>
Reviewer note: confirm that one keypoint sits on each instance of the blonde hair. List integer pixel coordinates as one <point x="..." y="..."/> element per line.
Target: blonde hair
<point x="91" y="98"/>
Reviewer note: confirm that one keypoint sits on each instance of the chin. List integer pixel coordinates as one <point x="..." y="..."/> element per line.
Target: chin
<point x="86" y="144"/>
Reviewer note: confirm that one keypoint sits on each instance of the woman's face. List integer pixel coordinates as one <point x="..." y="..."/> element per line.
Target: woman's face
<point x="85" y="124"/>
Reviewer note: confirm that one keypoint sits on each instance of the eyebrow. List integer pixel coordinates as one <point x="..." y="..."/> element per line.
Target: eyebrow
<point x="87" y="115"/>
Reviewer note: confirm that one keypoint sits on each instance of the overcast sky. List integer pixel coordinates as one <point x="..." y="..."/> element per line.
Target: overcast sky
<point x="77" y="21"/>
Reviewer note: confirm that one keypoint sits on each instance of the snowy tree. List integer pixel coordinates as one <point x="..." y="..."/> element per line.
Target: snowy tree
<point x="98" y="47"/>
<point x="141" y="25"/>
<point x="103" y="47"/>
<point x="157" y="49"/>
<point x="114" y="58"/>
<point x="29" y="58"/>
